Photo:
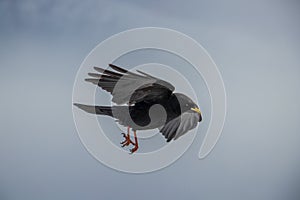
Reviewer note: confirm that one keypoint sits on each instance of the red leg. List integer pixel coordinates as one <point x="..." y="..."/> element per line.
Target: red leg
<point x="136" y="145"/>
<point x="128" y="130"/>
<point x="127" y="140"/>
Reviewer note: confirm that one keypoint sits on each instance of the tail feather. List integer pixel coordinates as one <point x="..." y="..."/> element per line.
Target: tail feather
<point x="99" y="110"/>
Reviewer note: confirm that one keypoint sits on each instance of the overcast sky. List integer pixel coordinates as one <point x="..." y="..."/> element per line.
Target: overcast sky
<point x="255" y="44"/>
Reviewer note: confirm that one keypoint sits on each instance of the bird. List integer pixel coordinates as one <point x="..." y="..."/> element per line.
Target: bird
<point x="143" y="102"/>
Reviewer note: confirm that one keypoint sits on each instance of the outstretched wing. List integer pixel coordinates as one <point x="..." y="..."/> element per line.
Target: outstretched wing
<point x="180" y="125"/>
<point x="127" y="87"/>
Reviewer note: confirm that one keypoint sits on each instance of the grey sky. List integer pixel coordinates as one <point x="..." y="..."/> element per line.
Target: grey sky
<point x="256" y="47"/>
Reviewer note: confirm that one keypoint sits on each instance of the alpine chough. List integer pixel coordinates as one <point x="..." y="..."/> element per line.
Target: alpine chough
<point x="143" y="102"/>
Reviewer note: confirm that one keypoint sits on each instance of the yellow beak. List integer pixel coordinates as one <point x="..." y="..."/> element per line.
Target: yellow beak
<point x="197" y="110"/>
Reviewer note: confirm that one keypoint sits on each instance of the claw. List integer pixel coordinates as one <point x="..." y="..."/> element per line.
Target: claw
<point x="128" y="141"/>
<point x="134" y="149"/>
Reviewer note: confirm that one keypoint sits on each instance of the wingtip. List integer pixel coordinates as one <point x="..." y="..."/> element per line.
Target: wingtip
<point x="95" y="75"/>
<point x="99" y="69"/>
<point x="119" y="69"/>
<point x="92" y="80"/>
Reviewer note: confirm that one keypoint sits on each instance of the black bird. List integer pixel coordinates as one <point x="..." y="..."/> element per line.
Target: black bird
<point x="143" y="102"/>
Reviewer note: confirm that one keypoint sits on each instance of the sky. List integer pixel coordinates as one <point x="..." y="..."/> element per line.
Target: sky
<point x="255" y="45"/>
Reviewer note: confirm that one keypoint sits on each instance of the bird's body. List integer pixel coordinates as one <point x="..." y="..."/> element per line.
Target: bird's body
<point x="149" y="103"/>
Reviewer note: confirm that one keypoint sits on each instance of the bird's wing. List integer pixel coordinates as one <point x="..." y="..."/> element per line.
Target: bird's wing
<point x="127" y="87"/>
<point x="180" y="125"/>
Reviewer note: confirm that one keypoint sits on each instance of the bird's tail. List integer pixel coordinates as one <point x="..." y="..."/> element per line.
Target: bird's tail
<point x="99" y="110"/>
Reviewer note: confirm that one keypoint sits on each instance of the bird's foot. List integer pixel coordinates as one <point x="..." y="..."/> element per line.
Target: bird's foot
<point x="127" y="140"/>
<point x="134" y="149"/>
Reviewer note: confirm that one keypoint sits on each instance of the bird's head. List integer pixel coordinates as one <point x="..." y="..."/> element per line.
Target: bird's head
<point x="188" y="104"/>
